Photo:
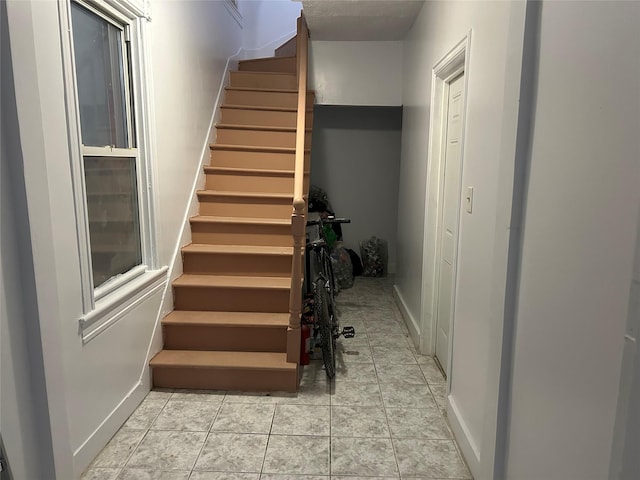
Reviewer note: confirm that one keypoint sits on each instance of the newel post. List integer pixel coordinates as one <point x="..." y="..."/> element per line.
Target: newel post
<point x="298" y="224"/>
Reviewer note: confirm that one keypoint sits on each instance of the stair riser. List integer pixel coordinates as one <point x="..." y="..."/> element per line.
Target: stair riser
<point x="285" y="65"/>
<point x="249" y="183"/>
<point x="237" y="116"/>
<point x="234" y="234"/>
<point x="259" y="138"/>
<point x="248" y="208"/>
<point x="251" y="380"/>
<point x="225" y="338"/>
<point x="230" y="299"/>
<point x="237" y="264"/>
<point x="284" y="81"/>
<point x="242" y="159"/>
<point x="265" y="99"/>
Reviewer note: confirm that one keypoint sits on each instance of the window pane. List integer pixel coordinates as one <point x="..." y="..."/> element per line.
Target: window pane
<point x="100" y="77"/>
<point x="114" y="225"/>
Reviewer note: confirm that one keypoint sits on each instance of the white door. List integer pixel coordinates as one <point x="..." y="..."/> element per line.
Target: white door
<point x="448" y="230"/>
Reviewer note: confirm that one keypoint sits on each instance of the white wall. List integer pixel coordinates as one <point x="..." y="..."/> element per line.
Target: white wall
<point x="578" y="242"/>
<point x="267" y="24"/>
<point x="24" y="423"/>
<point x="438" y="28"/>
<point x="356" y="73"/>
<point x="93" y="387"/>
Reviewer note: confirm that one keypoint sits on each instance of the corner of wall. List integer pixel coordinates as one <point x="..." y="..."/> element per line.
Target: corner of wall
<point x="409" y="319"/>
<point x="461" y="432"/>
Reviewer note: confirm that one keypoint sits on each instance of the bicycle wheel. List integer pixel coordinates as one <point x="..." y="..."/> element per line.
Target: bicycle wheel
<point x="325" y="327"/>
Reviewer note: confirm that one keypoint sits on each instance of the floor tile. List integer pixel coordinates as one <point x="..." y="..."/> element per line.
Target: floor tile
<point x="405" y="395"/>
<point x="275" y="476"/>
<point x="356" y="372"/>
<point x="240" y="418"/>
<point x="396" y="373"/>
<point x="417" y="423"/>
<point x="440" y="394"/>
<point x="384" y="327"/>
<point x="232" y="452"/>
<point x="355" y="354"/>
<point x="223" y="476"/>
<point x="101" y="474"/>
<point x="210" y="396"/>
<point x="160" y="394"/>
<point x="316" y="393"/>
<point x="356" y="394"/>
<point x="186" y="415"/>
<point x="359" y="422"/>
<point x="301" y="420"/>
<point x="145" y="474"/>
<point x="144" y="416"/>
<point x="398" y="340"/>
<point x="362" y="456"/>
<point x="429" y="458"/>
<point x="431" y="371"/>
<point x="300" y="455"/>
<point x="167" y="450"/>
<point x="255" y="397"/>
<point x="119" y="448"/>
<point x="350" y="477"/>
<point x="383" y="355"/>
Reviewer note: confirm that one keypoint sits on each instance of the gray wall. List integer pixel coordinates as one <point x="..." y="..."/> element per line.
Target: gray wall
<point x="355" y="158"/>
<point x="24" y="421"/>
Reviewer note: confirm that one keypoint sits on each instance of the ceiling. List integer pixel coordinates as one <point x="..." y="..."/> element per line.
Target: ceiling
<point x="362" y="20"/>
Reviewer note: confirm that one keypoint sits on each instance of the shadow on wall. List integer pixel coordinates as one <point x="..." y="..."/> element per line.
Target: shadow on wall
<point x="356" y="160"/>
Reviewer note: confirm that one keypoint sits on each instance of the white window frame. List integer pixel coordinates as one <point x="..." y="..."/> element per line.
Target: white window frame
<point x="105" y="304"/>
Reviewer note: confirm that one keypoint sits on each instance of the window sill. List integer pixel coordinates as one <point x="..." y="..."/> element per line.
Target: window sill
<point x="112" y="307"/>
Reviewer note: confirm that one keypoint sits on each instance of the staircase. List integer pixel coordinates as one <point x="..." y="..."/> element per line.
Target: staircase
<point x="236" y="320"/>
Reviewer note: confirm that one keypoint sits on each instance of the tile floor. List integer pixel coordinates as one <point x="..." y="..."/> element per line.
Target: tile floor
<point x="382" y="417"/>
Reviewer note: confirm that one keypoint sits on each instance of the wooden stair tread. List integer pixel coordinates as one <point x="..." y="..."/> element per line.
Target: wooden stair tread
<point x="255" y="72"/>
<point x="249" y="60"/>
<point x="263" y="107"/>
<point x="230" y="319"/>
<point x="255" y="171"/>
<point x="267" y="283"/>
<point x="231" y="360"/>
<point x="219" y="193"/>
<point x="253" y="148"/>
<point x="243" y="220"/>
<point x="265" y="128"/>
<point x="238" y="249"/>
<point x="267" y="90"/>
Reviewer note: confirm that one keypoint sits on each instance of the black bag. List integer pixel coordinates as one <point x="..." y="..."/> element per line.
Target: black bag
<point x="355" y="261"/>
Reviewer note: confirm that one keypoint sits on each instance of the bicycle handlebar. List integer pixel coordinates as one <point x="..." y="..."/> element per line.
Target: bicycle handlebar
<point x="321" y="221"/>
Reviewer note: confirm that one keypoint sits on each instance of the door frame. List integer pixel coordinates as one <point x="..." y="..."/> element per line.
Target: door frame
<point x="455" y="62"/>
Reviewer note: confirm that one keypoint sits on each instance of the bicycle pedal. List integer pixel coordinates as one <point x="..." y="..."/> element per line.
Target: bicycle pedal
<point x="348" y="332"/>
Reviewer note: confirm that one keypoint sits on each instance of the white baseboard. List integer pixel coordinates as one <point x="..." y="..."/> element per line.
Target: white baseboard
<point x="85" y="454"/>
<point x="409" y="320"/>
<point x="468" y="447"/>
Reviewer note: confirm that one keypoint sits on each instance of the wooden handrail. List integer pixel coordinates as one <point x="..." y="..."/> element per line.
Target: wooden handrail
<point x="302" y="52"/>
<point x="299" y="207"/>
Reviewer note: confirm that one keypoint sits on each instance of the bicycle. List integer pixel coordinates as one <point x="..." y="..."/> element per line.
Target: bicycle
<point x="326" y="325"/>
